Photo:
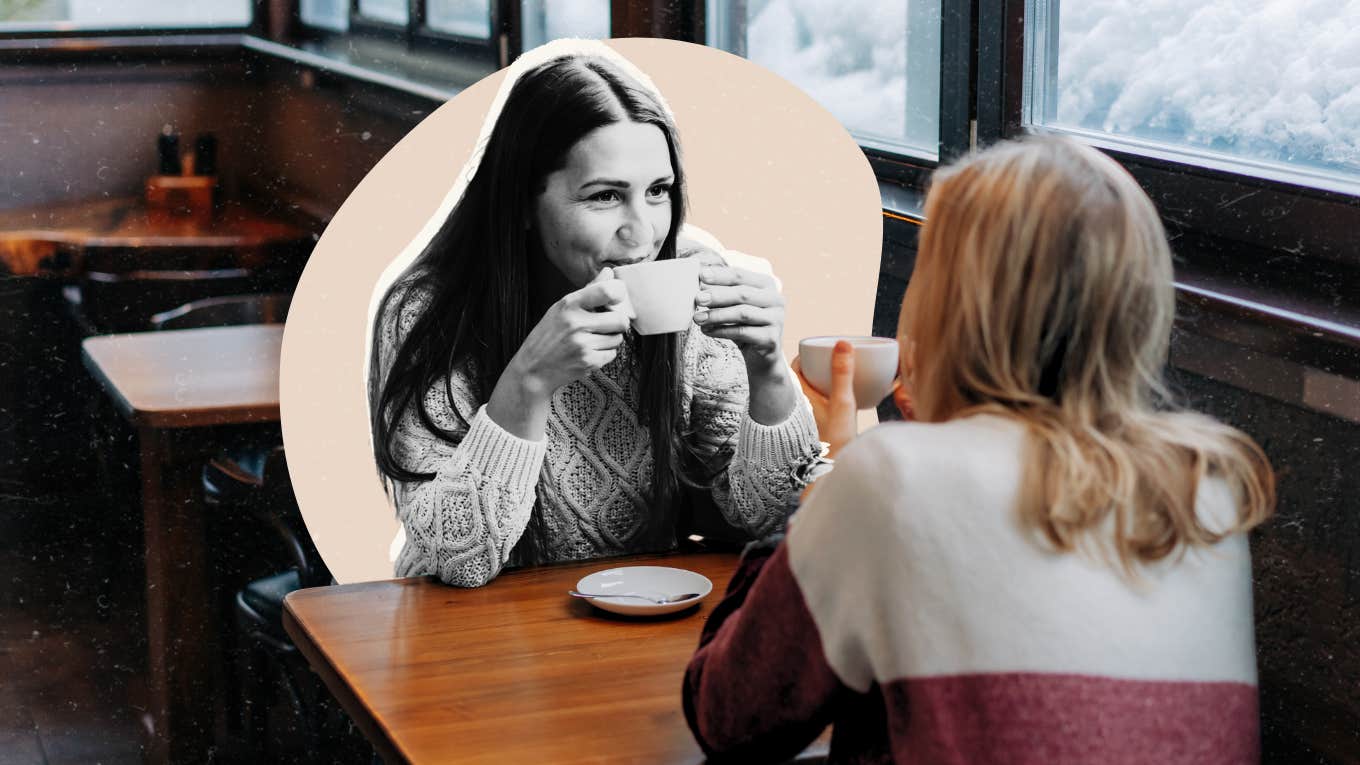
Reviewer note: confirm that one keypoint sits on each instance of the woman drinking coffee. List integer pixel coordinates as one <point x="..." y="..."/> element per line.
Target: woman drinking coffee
<point x="516" y="415"/>
<point x="1050" y="565"/>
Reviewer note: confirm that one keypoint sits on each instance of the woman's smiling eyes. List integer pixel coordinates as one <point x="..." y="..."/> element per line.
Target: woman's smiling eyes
<point x="655" y="192"/>
<point x="608" y="195"/>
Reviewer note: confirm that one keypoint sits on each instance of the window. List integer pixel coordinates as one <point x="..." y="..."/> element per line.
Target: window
<point x="326" y="14"/>
<point x="465" y="18"/>
<point x="544" y="21"/>
<point x="1263" y="88"/>
<point x="395" y="12"/>
<point x="875" y="64"/>
<point x="18" y="15"/>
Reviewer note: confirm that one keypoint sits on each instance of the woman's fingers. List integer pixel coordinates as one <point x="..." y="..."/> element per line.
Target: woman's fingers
<point x="714" y="296"/>
<point x="743" y="315"/>
<point x="753" y="338"/>
<point x="703" y="253"/>
<point x="815" y="396"/>
<point x="601" y="341"/>
<point x="601" y="293"/>
<point x="727" y="276"/>
<point x="843" y="373"/>
<point x="609" y="322"/>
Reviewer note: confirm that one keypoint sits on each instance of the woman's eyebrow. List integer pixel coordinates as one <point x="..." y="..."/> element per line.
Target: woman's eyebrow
<point x="613" y="182"/>
<point x="620" y="184"/>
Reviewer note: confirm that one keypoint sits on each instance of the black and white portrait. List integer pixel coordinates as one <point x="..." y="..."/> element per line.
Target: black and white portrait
<point x="521" y="411"/>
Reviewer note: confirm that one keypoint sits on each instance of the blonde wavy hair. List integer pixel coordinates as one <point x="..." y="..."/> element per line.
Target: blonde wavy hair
<point x="1043" y="291"/>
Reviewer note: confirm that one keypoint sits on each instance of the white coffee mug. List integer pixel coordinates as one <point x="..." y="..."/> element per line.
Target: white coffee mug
<point x="662" y="293"/>
<point x="875" y="365"/>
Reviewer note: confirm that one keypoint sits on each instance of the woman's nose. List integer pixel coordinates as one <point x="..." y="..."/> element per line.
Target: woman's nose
<point x="635" y="230"/>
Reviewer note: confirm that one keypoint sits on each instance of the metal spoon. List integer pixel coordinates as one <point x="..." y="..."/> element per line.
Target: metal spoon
<point x="659" y="601"/>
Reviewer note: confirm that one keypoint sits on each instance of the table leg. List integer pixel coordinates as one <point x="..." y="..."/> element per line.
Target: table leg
<point x="180" y="619"/>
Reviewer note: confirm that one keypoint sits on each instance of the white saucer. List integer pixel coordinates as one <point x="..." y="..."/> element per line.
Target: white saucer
<point x="653" y="581"/>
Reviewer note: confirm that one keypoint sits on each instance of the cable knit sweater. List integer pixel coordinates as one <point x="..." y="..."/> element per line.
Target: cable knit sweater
<point x="591" y="475"/>
<point x="909" y="609"/>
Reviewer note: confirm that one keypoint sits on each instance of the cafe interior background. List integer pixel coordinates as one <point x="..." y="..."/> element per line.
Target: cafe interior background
<point x="157" y="155"/>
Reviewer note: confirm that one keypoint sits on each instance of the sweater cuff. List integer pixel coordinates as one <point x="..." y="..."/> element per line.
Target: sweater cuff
<point x="784" y="446"/>
<point x="500" y="456"/>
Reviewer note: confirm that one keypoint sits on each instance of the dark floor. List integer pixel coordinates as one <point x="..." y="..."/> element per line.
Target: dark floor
<point x="72" y="652"/>
<point x="72" y="640"/>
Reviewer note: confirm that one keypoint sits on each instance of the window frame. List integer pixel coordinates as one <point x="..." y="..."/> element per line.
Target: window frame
<point x="956" y="89"/>
<point x="1203" y="199"/>
<point x="53" y="30"/>
<point x="417" y="36"/>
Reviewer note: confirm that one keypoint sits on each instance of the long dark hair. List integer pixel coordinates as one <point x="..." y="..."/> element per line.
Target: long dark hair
<point x="474" y="274"/>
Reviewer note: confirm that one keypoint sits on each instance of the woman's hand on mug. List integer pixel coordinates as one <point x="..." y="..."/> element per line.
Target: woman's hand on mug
<point x="836" y="414"/>
<point x="744" y="307"/>
<point x="577" y="335"/>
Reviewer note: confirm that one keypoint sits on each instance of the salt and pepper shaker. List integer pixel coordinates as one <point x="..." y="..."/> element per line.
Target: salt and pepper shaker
<point x="187" y="185"/>
<point x="167" y="146"/>
<point x="204" y="159"/>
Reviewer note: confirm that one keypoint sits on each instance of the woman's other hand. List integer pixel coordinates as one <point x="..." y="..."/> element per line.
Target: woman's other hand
<point x="690" y="248"/>
<point x="836" y="412"/>
<point x="744" y="307"/>
<point x="579" y="334"/>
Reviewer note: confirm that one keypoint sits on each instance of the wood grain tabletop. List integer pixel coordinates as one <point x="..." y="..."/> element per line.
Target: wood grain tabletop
<point x="52" y="239"/>
<point x="515" y="671"/>
<point x="191" y="377"/>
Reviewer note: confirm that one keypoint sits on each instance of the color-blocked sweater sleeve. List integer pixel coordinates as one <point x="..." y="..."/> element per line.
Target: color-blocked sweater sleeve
<point x="759" y="688"/>
<point x="765" y="464"/>
<point x="461" y="524"/>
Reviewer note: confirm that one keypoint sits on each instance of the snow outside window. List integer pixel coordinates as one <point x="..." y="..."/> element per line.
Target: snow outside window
<point x="390" y="11"/>
<point x="1263" y="87"/>
<point x="466" y="18"/>
<point x="875" y="64"/>
<point x="546" y="20"/>
<point x="16" y="15"/>
<point x="326" y="14"/>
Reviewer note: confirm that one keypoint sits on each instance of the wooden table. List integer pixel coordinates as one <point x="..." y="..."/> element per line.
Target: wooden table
<point x="515" y="671"/>
<point x="56" y="240"/>
<point x="172" y="386"/>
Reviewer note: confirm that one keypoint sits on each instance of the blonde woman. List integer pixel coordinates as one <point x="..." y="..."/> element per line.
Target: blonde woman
<point x="1050" y="564"/>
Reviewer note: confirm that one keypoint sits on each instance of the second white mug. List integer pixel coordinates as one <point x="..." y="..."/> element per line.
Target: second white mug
<point x="875" y="365"/>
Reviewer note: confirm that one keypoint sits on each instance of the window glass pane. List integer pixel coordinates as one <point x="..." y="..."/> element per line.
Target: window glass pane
<point x="875" y="64"/>
<point x="544" y="21"/>
<point x="1274" y="84"/>
<point x="124" y="14"/>
<point x="469" y="18"/>
<point x="391" y="11"/>
<point x="327" y="14"/>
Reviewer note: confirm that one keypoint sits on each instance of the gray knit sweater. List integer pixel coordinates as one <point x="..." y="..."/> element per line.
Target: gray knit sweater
<point x="591" y="475"/>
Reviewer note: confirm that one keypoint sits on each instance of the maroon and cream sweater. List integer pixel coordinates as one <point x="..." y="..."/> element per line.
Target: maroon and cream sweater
<point x="907" y="608"/>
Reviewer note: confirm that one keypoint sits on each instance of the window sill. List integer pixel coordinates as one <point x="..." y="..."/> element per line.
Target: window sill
<point x="379" y="62"/>
<point x="1251" y="301"/>
<point x="902" y="202"/>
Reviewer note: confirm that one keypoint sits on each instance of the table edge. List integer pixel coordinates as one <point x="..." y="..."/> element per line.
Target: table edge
<point x="377" y="733"/>
<point x="232" y="414"/>
<point x="379" y="737"/>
